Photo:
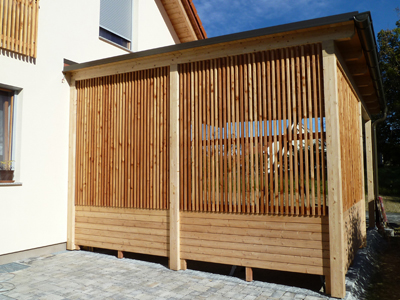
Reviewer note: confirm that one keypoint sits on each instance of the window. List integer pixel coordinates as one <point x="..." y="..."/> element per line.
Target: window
<point x="116" y="21"/>
<point x="6" y="124"/>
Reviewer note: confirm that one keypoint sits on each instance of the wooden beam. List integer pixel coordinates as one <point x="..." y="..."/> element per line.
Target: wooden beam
<point x="363" y="81"/>
<point x="174" y="253"/>
<point x="367" y="90"/>
<point x="222" y="49"/>
<point x="370" y="174"/>
<point x="120" y="254"/>
<point x="71" y="166"/>
<point x="352" y="55"/>
<point x="358" y="68"/>
<point x="363" y="226"/>
<point x="336" y="224"/>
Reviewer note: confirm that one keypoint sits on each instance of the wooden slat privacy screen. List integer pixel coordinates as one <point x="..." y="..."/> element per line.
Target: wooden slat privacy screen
<point x="350" y="142"/>
<point x="252" y="133"/>
<point x="122" y="155"/>
<point x="18" y="26"/>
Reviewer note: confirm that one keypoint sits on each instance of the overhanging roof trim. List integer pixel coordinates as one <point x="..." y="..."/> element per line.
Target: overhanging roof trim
<point x="220" y="39"/>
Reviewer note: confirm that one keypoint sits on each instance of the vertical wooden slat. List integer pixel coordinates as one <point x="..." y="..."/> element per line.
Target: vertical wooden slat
<point x="238" y="149"/>
<point x="316" y="201"/>
<point x="212" y="136"/>
<point x="201" y="134"/>
<point x="228" y="133"/>
<point x="220" y="137"/>
<point x="265" y="208"/>
<point x="285" y="206"/>
<point x="2" y="21"/>
<point x="242" y="132"/>
<point x="165" y="139"/>
<point x="182" y="137"/>
<point x="233" y="134"/>
<point x="259" y="130"/>
<point x="193" y="138"/>
<point x="275" y="133"/>
<point x="300" y="133"/>
<point x="207" y="128"/>
<point x="255" y="136"/>
<point x="198" y="136"/>
<point x="270" y="138"/>
<point x="306" y="131"/>
<point x="225" y="137"/>
<point x="310" y="131"/>
<point x="247" y="137"/>
<point x="279" y="153"/>
<point x="217" y="101"/>
<point x="289" y="127"/>
<point x="321" y="119"/>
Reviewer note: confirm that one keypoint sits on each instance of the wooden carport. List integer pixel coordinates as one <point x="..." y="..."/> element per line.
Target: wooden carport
<point x="244" y="149"/>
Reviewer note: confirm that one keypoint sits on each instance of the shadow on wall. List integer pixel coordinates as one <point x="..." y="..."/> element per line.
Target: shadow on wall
<point x="20" y="57"/>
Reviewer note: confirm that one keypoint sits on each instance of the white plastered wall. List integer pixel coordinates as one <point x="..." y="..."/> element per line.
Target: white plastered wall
<point x="35" y="214"/>
<point x="152" y="28"/>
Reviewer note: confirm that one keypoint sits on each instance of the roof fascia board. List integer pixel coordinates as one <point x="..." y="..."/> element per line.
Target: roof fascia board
<point x="128" y="63"/>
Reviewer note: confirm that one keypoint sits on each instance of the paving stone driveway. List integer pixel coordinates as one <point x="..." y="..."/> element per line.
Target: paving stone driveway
<point x="87" y="275"/>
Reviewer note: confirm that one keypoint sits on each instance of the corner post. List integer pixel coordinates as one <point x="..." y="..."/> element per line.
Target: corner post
<point x="334" y="170"/>
<point x="71" y="166"/>
<point x="174" y="220"/>
<point x="363" y="226"/>
<point x="370" y="173"/>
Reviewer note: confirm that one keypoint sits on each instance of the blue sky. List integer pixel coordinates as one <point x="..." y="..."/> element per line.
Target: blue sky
<point x="220" y="17"/>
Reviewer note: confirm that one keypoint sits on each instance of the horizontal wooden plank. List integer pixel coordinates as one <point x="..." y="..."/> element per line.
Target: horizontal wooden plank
<point x="253" y="263"/>
<point x="257" y="248"/>
<point x="115" y="210"/>
<point x="122" y="216"/>
<point x="118" y="222"/>
<point x="262" y="218"/>
<point x="299" y="235"/>
<point x="119" y="247"/>
<point x="259" y="240"/>
<point x="264" y="257"/>
<point x="123" y="228"/>
<point x="124" y="235"/>
<point x="257" y="225"/>
<point x="119" y="241"/>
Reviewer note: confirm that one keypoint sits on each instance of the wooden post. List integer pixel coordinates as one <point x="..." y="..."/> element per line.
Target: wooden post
<point x="174" y="225"/>
<point x="363" y="226"/>
<point x="249" y="274"/>
<point x="370" y="173"/>
<point x="336" y="223"/>
<point x="71" y="167"/>
<point x="120" y="254"/>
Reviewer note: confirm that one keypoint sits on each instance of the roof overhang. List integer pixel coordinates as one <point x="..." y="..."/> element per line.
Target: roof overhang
<point x="352" y="32"/>
<point x="185" y="20"/>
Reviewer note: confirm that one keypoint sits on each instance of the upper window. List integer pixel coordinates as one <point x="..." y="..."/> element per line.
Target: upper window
<point x="116" y="21"/>
<point x="6" y="125"/>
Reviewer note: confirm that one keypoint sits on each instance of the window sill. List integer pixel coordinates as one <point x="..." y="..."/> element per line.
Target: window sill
<point x="10" y="183"/>
<point x="115" y="44"/>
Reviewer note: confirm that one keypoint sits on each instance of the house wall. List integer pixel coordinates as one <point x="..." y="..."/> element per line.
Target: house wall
<point x="35" y="214"/>
<point x="152" y="28"/>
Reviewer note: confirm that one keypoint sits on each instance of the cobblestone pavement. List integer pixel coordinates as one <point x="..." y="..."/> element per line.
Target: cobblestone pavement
<point x="87" y="275"/>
